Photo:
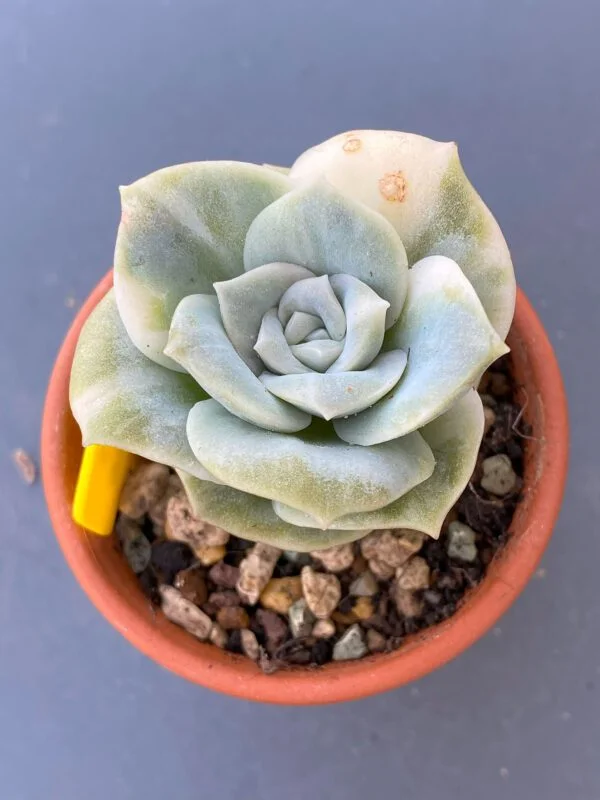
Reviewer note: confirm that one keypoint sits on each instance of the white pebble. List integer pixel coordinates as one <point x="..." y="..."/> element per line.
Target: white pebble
<point x="499" y="477"/>
<point x="461" y="542"/>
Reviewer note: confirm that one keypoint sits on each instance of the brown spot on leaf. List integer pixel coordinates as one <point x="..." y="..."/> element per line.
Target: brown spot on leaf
<point x="393" y="187"/>
<point x="352" y="145"/>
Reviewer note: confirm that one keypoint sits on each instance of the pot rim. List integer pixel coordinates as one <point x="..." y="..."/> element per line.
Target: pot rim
<point x="204" y="664"/>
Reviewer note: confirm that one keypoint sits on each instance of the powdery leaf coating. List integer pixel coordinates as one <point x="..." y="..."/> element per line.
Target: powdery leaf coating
<point x="330" y="233"/>
<point x="183" y="228"/>
<point x="121" y="398"/>
<point x="450" y="341"/>
<point x="325" y="477"/>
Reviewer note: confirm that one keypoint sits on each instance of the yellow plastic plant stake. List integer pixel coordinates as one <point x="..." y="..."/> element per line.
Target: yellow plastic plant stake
<point x="102" y="474"/>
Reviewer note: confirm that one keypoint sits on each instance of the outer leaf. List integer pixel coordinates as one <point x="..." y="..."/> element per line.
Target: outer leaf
<point x="454" y="438"/>
<point x="183" y="228"/>
<point x="420" y="187"/>
<point x="337" y="394"/>
<point x="329" y="233"/>
<point x="199" y="343"/>
<point x="365" y="323"/>
<point x="449" y="341"/>
<point x="121" y="398"/>
<point x="244" y="300"/>
<point x="324" y="477"/>
<point x="253" y="518"/>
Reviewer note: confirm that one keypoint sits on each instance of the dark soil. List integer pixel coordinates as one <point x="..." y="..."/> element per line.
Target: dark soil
<point x="488" y="516"/>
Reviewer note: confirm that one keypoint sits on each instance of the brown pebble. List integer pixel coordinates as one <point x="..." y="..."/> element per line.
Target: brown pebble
<point x="179" y="610"/>
<point x="382" y="571"/>
<point x="321" y="590"/>
<point x="359" y="565"/>
<point x="210" y="555"/>
<point x="218" y="636"/>
<point x="276" y="630"/>
<point x="489" y="416"/>
<point x="250" y="646"/>
<point x="181" y="525"/>
<point x="158" y="510"/>
<point x="364" y="585"/>
<point x="225" y="575"/>
<point x="323" y="629"/>
<point x="375" y="641"/>
<point x="363" y="608"/>
<point x="343" y="619"/>
<point x="335" y="559"/>
<point x="256" y="570"/>
<point x="213" y="535"/>
<point x="143" y="489"/>
<point x="499" y="385"/>
<point x="190" y="582"/>
<point x="391" y="547"/>
<point x="414" y="575"/>
<point x="224" y="599"/>
<point x="280" y="593"/>
<point x="408" y="603"/>
<point x="232" y="618"/>
<point x="25" y="464"/>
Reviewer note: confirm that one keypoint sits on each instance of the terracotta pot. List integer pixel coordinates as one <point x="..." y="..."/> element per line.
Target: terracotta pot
<point x="112" y="587"/>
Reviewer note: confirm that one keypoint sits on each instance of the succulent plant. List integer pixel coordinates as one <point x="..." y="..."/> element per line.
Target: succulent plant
<point x="302" y="345"/>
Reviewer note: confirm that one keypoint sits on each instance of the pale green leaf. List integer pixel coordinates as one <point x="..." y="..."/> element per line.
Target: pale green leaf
<point x="313" y="471"/>
<point x="121" y="398"/>
<point x="198" y="342"/>
<point x="420" y="187"/>
<point x="449" y="341"/>
<point x="244" y="300"/>
<point x="183" y="228"/>
<point x="328" y="232"/>
<point x="338" y="394"/>
<point x="253" y="518"/>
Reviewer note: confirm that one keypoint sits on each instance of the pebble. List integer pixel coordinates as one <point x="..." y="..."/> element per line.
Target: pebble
<point x="232" y="618"/>
<point x="350" y="646"/>
<point x="391" y="547"/>
<point x="218" y="636"/>
<point x="302" y="559"/>
<point x="499" y="477"/>
<point x="224" y="599"/>
<point x="169" y="558"/>
<point x="363" y="609"/>
<point x="280" y="593"/>
<point x="274" y="627"/>
<point x="489" y="417"/>
<point x="158" y="511"/>
<point x="25" y="464"/>
<point x="407" y="602"/>
<point x="321" y="590"/>
<point x="210" y="555"/>
<point x="335" y="559"/>
<point x="250" y="645"/>
<point x="301" y="619"/>
<point x="181" y="525"/>
<point x="381" y="570"/>
<point x="179" y="610"/>
<point x="323" y="629"/>
<point x="256" y="570"/>
<point x="136" y="548"/>
<point x="376" y="642"/>
<point x="414" y="575"/>
<point x="143" y="489"/>
<point x="364" y="586"/>
<point x="190" y="582"/>
<point x="225" y="575"/>
<point x="461" y="542"/>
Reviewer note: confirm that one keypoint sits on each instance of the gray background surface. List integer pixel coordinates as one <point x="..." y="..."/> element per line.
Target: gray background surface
<point x="97" y="93"/>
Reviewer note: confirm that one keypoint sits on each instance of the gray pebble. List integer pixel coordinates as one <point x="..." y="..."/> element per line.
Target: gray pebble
<point x="351" y="645"/>
<point x="136" y="548"/>
<point x="301" y="619"/>
<point x="364" y="586"/>
<point x="499" y="477"/>
<point x="461" y="542"/>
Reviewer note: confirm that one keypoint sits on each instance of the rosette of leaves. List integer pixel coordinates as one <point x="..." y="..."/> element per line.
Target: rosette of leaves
<point x="302" y="345"/>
